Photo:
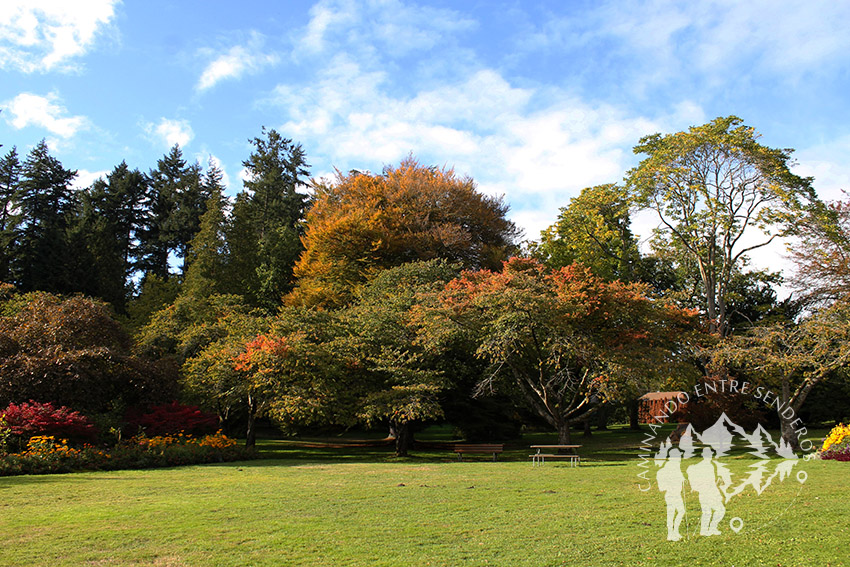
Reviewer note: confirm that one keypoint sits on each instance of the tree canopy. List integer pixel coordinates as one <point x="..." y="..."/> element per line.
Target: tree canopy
<point x="594" y="230"/>
<point x="719" y="195"/>
<point x="71" y="351"/>
<point x="363" y="223"/>
<point x="568" y="338"/>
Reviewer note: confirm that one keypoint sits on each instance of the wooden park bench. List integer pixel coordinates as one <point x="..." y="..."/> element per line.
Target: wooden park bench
<point x="494" y="448"/>
<point x="539" y="457"/>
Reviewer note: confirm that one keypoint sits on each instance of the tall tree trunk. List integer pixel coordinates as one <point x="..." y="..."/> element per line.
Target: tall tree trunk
<point x="587" y="432"/>
<point x="251" y="434"/>
<point x="602" y="422"/>
<point x="403" y="437"/>
<point x="787" y="416"/>
<point x="633" y="406"/>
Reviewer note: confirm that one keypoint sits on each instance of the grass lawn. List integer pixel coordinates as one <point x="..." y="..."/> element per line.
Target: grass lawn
<point x="362" y="506"/>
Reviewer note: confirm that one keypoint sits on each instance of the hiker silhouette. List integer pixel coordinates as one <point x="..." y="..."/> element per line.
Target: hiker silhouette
<point x="671" y="482"/>
<point x="703" y="480"/>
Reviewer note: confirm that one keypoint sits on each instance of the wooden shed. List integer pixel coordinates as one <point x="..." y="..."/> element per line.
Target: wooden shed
<point x="655" y="407"/>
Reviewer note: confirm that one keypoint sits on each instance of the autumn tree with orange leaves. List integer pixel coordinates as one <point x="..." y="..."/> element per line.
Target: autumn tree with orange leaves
<point x="568" y="339"/>
<point x="363" y="223"/>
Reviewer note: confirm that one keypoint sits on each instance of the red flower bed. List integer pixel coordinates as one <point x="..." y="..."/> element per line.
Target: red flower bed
<point x="27" y="420"/>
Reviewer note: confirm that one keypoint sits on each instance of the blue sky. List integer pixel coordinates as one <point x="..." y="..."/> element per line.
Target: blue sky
<point x="534" y="100"/>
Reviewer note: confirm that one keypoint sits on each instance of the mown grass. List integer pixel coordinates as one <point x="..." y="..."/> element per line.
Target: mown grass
<point x="362" y="506"/>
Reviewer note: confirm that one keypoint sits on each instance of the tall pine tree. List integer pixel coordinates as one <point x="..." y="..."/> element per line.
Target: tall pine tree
<point x="208" y="257"/>
<point x="266" y="225"/>
<point x="111" y="216"/>
<point x="175" y="203"/>
<point x="45" y="203"/>
<point x="10" y="172"/>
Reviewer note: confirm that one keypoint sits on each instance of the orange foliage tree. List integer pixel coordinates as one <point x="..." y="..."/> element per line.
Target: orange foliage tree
<point x="363" y="223"/>
<point x="567" y="338"/>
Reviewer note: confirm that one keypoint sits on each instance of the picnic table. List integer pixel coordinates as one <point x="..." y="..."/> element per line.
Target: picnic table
<point x="553" y="452"/>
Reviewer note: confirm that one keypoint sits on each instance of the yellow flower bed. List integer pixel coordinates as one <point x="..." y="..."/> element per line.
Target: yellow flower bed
<point x="836" y="437"/>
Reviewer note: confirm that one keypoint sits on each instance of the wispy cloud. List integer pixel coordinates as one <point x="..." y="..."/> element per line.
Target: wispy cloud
<point x="28" y="109"/>
<point x="391" y="28"/>
<point x="665" y="41"/>
<point x="538" y="147"/>
<point x="168" y="132"/>
<point x="44" y="35"/>
<point x="235" y="62"/>
<point x="827" y="163"/>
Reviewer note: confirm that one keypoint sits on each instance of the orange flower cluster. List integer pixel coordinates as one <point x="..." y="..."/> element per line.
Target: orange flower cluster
<point x="47" y="445"/>
<point x="215" y="441"/>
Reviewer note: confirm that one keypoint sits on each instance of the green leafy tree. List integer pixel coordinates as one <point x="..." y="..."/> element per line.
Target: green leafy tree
<point x="793" y="358"/>
<point x="298" y="375"/>
<point x="404" y="382"/>
<point x="155" y="293"/>
<point x="208" y="343"/>
<point x="594" y="230"/>
<point x="717" y="191"/>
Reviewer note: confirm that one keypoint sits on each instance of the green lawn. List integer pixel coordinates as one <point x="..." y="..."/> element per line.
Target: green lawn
<point x="362" y="506"/>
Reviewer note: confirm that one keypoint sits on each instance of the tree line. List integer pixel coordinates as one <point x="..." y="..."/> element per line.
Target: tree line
<point x="404" y="297"/>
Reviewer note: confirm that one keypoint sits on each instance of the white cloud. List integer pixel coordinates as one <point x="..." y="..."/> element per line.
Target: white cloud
<point x="236" y="62"/>
<point x="245" y="175"/>
<point x="537" y="147"/>
<point x="391" y="28"/>
<point x="85" y="178"/>
<point x="43" y="35"/>
<point x="324" y="16"/>
<point x="28" y="109"/>
<point x="169" y="132"/>
<point x="664" y="42"/>
<point x="827" y="163"/>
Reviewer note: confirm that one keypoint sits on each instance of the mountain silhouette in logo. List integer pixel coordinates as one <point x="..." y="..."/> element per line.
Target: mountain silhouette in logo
<point x="761" y="442"/>
<point x="721" y="435"/>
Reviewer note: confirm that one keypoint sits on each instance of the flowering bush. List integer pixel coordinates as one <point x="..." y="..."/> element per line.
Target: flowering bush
<point x="173" y="418"/>
<point x="45" y="454"/>
<point x="836" y="446"/>
<point x="29" y="419"/>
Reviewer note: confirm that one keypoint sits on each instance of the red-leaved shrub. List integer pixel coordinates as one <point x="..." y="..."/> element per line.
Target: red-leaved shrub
<point x="173" y="418"/>
<point x="29" y="419"/>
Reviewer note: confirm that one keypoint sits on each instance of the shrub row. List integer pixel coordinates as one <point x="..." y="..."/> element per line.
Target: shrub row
<point x="46" y="454"/>
<point x="20" y="422"/>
